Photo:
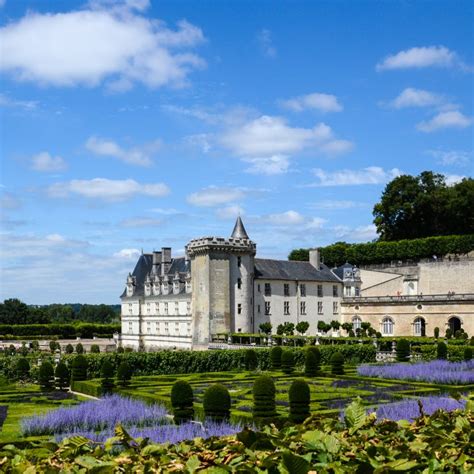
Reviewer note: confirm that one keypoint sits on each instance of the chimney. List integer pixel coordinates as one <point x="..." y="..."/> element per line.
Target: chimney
<point x="156" y="261"/>
<point x="314" y="258"/>
<point x="165" y="260"/>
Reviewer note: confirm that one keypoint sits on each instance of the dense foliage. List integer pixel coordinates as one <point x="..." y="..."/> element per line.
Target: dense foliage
<point x="46" y="376"/>
<point x="385" y="252"/>
<point x="275" y="357"/>
<point x="287" y="361"/>
<point x="442" y="442"/>
<point x="300" y="398"/>
<point x="79" y="368"/>
<point x="182" y="399"/>
<point x="337" y="364"/>
<point x="251" y="360"/>
<point x="216" y="403"/>
<point x="312" y="361"/>
<point x="64" y="331"/>
<point x="264" y="409"/>
<point x="403" y="350"/>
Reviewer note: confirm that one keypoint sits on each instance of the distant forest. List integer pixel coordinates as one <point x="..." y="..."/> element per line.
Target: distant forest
<point x="14" y="311"/>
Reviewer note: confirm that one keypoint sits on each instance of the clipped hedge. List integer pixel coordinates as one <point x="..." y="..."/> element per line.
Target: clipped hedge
<point x="455" y="352"/>
<point x="86" y="387"/>
<point x="385" y="252"/>
<point x="64" y="331"/>
<point x="188" y="362"/>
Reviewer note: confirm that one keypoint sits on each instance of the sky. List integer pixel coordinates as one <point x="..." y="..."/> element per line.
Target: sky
<point x="132" y="125"/>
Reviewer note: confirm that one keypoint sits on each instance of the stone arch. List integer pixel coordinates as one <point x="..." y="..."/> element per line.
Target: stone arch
<point x="419" y="326"/>
<point x="454" y="324"/>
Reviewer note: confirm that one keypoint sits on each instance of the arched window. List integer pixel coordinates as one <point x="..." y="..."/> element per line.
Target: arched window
<point x="419" y="328"/>
<point x="387" y="326"/>
<point x="454" y="324"/>
<point x="356" y="323"/>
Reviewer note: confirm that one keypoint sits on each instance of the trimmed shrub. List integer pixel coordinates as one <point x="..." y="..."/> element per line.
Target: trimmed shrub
<point x="449" y="333"/>
<point x="337" y="364"/>
<point x="300" y="399"/>
<point x="79" y="368"/>
<point x="79" y="348"/>
<point x="287" y="362"/>
<point x="275" y="357"/>
<point x="95" y="349"/>
<point x="251" y="361"/>
<point x="62" y="376"/>
<point x="216" y="403"/>
<point x="46" y="376"/>
<point x="69" y="349"/>
<point x="312" y="363"/>
<point x="468" y="353"/>
<point x="441" y="351"/>
<point x="23" y="368"/>
<point x="182" y="399"/>
<point x="107" y="383"/>
<point x="120" y="350"/>
<point x="436" y="332"/>
<point x="124" y="374"/>
<point x="403" y="350"/>
<point x="264" y="399"/>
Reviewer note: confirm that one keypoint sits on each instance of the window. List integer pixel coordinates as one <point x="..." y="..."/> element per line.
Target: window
<point x="347" y="291"/>
<point x="239" y="309"/>
<point x="320" y="291"/>
<point x="148" y="327"/>
<point x="258" y="309"/>
<point x="356" y="323"/>
<point x="176" y="328"/>
<point x="286" y="289"/>
<point x="334" y="307"/>
<point x="303" y="307"/>
<point x="357" y="291"/>
<point x="335" y="291"/>
<point x="320" y="307"/>
<point x="130" y="327"/>
<point x="167" y="329"/>
<point x="148" y="309"/>
<point x="166" y="308"/>
<point x="188" y="307"/>
<point x="176" y="307"/>
<point x="387" y="326"/>
<point x="157" y="327"/>
<point x="157" y="308"/>
<point x="302" y="289"/>
<point x="239" y="261"/>
<point x="268" y="289"/>
<point x="267" y="307"/>
<point x="239" y="283"/>
<point x="286" y="308"/>
<point x="419" y="327"/>
<point x="130" y="308"/>
<point x="189" y="329"/>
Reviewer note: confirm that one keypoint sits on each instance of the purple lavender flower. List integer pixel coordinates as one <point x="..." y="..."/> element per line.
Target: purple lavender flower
<point x="437" y="371"/>
<point x="95" y="416"/>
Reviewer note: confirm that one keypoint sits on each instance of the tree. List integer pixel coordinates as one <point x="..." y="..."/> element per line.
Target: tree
<point x="182" y="401"/>
<point x="302" y="327"/>
<point x="23" y="369"/>
<point x="441" y="351"/>
<point x="337" y="364"/>
<point x="403" y="350"/>
<point x="335" y="325"/>
<point x="266" y="328"/>
<point x="300" y="399"/>
<point x="62" y="376"/>
<point x="53" y="345"/>
<point x="323" y="327"/>
<point x="286" y="329"/>
<point x="79" y="368"/>
<point x="46" y="376"/>
<point x="251" y="360"/>
<point x="79" y="348"/>
<point x="69" y="349"/>
<point x="124" y="374"/>
<point x="107" y="372"/>
<point x="264" y="409"/>
<point x="216" y="403"/>
<point x="14" y="311"/>
<point x="312" y="361"/>
<point x="347" y="327"/>
<point x="95" y="349"/>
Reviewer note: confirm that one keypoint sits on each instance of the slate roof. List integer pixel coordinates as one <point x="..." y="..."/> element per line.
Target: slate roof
<point x="267" y="269"/>
<point x="239" y="231"/>
<point x="339" y="271"/>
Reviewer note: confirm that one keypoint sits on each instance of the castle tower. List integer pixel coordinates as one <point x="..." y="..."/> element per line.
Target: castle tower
<point x="222" y="284"/>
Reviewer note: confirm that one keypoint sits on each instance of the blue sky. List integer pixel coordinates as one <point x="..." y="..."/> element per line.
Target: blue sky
<point x="129" y="125"/>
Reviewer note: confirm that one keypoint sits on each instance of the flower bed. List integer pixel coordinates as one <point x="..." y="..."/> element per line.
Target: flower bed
<point x="437" y="371"/>
<point x="410" y="409"/>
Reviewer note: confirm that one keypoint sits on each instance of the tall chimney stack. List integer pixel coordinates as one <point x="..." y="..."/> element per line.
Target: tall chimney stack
<point x="314" y="258"/>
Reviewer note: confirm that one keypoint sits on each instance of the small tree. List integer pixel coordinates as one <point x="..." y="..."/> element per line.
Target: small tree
<point x="107" y="372"/>
<point x="79" y="348"/>
<point x="124" y="374"/>
<point x="403" y="350"/>
<point x="442" y="351"/>
<point x="95" y="349"/>
<point x="312" y="361"/>
<point x="216" y="403"/>
<point x="264" y="399"/>
<point x="436" y="332"/>
<point x="46" y="376"/>
<point x="34" y="346"/>
<point x="337" y="364"/>
<point x="53" y="345"/>
<point x="251" y="361"/>
<point x="62" y="376"/>
<point x="287" y="361"/>
<point x="347" y="327"/>
<point x="302" y="327"/>
<point x="275" y="357"/>
<point x="120" y="350"/>
<point x="182" y="399"/>
<point x="266" y="328"/>
<point x="449" y="333"/>
<point x="69" y="349"/>
<point x="300" y="399"/>
<point x="335" y="325"/>
<point x="24" y="349"/>
<point x="79" y="368"/>
<point x="23" y="369"/>
<point x="468" y="353"/>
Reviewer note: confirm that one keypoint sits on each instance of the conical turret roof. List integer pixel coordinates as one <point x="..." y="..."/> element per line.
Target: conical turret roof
<point x="239" y="231"/>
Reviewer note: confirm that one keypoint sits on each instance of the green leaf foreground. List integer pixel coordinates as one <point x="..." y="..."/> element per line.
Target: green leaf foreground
<point x="443" y="442"/>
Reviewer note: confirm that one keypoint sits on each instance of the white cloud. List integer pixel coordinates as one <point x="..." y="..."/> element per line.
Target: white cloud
<point x="107" y="189"/>
<point x="276" y="164"/>
<point x="359" y="234"/>
<point x="452" y="179"/>
<point x="9" y="201"/>
<point x="451" y="157"/>
<point x="45" y="162"/>
<point x="411" y="97"/>
<point x="6" y="101"/>
<point x="314" y="101"/>
<point x="215" y="196"/>
<point x="449" y="119"/>
<point x="140" y="156"/>
<point x="264" y="38"/>
<point x="90" y="46"/>
<point x="334" y="205"/>
<point x="200" y="140"/>
<point x="421" y="57"/>
<point x="127" y="254"/>
<point x="284" y="218"/>
<point x="369" y="175"/>
<point x="230" y="212"/>
<point x="141" y="222"/>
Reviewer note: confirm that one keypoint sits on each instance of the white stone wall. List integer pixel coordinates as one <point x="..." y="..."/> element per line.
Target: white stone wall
<point x="241" y="299"/>
<point x="278" y="299"/>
